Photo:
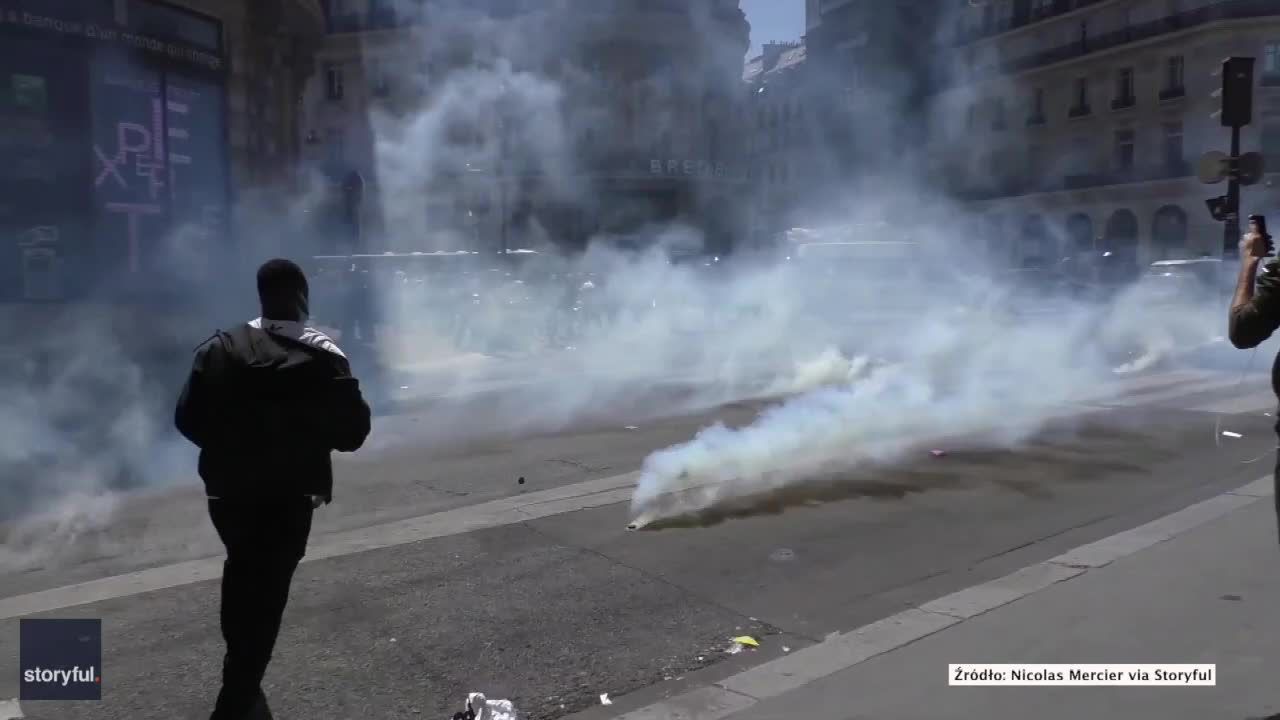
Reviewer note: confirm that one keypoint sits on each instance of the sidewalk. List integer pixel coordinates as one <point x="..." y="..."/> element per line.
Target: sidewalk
<point x="1208" y="594"/>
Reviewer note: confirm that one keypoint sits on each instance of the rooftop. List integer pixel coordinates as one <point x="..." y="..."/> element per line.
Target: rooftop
<point x="784" y="56"/>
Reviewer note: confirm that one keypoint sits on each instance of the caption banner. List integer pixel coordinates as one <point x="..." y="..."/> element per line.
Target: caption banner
<point x="1065" y="674"/>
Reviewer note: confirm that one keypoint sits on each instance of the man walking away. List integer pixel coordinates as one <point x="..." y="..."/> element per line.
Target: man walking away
<point x="1255" y="315"/>
<point x="266" y="403"/>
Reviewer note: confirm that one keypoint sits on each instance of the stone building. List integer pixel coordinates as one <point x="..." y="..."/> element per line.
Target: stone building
<point x="538" y="122"/>
<point x="783" y="157"/>
<point x="1073" y="127"/>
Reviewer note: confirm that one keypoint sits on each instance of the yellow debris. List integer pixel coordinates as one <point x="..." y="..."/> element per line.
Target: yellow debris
<point x="747" y="640"/>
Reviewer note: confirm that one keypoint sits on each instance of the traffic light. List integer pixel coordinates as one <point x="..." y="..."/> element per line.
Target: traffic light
<point x="1236" y="93"/>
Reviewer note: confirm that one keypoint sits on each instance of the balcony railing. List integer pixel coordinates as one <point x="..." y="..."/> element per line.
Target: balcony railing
<point x="381" y="19"/>
<point x="1172" y="170"/>
<point x="1123" y="103"/>
<point x="1173" y="93"/>
<point x="1271" y="79"/>
<point x="1036" y="120"/>
<point x="1229" y="10"/>
<point x="1164" y="171"/>
<point x="996" y="27"/>
<point x="1080" y="111"/>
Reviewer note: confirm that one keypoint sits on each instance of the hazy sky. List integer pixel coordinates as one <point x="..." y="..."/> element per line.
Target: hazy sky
<point x="774" y="20"/>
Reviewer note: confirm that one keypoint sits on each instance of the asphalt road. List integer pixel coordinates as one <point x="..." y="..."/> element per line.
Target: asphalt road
<point x="554" y="610"/>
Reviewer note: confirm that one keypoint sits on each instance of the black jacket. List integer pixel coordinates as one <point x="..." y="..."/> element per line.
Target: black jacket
<point x="266" y="412"/>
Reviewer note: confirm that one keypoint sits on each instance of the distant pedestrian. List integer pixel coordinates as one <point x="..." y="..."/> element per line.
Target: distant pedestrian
<point x="266" y="403"/>
<point x="1255" y="308"/>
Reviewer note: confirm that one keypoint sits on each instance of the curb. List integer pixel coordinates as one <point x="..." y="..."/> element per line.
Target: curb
<point x="839" y="652"/>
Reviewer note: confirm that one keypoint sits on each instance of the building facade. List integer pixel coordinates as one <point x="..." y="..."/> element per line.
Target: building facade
<point x="870" y="64"/>
<point x="130" y="126"/>
<point x="594" y="118"/>
<point x="1074" y="127"/>
<point x="783" y="157"/>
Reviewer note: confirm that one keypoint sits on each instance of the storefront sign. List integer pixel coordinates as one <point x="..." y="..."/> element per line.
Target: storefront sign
<point x="691" y="168"/>
<point x="107" y="34"/>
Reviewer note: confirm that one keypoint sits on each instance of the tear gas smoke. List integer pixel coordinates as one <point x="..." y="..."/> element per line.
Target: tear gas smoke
<point x="892" y="353"/>
<point x="82" y="421"/>
<point x="879" y="356"/>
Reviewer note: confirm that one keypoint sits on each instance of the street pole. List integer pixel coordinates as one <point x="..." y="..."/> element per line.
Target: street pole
<point x="1235" y="111"/>
<point x="1231" y="228"/>
<point x="502" y="187"/>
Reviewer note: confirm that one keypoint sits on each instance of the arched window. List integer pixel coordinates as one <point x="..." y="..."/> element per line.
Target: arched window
<point x="1121" y="242"/>
<point x="997" y="242"/>
<point x="1080" y="233"/>
<point x="1169" y="232"/>
<point x="1122" y="231"/>
<point x="1038" y="248"/>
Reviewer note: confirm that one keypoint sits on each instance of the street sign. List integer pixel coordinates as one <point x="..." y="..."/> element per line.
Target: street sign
<point x="1212" y="168"/>
<point x="1250" y="168"/>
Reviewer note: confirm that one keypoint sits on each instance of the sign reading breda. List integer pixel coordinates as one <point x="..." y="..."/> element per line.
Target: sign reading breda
<point x="690" y="168"/>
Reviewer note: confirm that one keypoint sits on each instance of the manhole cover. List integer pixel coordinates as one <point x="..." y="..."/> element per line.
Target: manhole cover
<point x="782" y="554"/>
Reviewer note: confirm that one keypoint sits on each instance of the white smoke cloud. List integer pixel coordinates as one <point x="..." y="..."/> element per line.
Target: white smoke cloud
<point x="873" y="360"/>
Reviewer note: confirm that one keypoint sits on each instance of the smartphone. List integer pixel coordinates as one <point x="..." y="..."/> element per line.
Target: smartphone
<point x="1259" y="223"/>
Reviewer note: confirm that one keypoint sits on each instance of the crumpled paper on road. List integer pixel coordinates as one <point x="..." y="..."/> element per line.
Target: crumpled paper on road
<point x="481" y="708"/>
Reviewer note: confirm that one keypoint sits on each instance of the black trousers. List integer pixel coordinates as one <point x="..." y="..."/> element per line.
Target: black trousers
<point x="265" y="541"/>
<point x="1276" y="480"/>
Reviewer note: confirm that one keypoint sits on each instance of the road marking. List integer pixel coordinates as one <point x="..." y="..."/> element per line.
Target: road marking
<point x="482" y="516"/>
<point x="839" y="652"/>
<point x="1177" y="392"/>
<point x="1149" y="383"/>
<point x="1261" y="400"/>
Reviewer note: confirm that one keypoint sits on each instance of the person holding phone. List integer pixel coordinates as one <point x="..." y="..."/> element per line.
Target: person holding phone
<point x="1255" y="308"/>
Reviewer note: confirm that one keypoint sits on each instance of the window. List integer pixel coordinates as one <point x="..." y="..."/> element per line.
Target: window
<point x="1173" y="144"/>
<point x="333" y="81"/>
<point x="337" y="153"/>
<point x="1041" y="8"/>
<point x="1124" y="88"/>
<point x="1037" y="103"/>
<point x="997" y="114"/>
<point x="1124" y="149"/>
<point x="1271" y="137"/>
<point x="382" y="10"/>
<point x="1035" y="161"/>
<point x="379" y="79"/>
<point x="1173" y="72"/>
<point x="1081" y="103"/>
<point x="1005" y="17"/>
<point x="1271" y="63"/>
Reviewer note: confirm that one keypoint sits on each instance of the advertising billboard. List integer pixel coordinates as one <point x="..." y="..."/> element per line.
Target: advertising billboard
<point x="116" y="180"/>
